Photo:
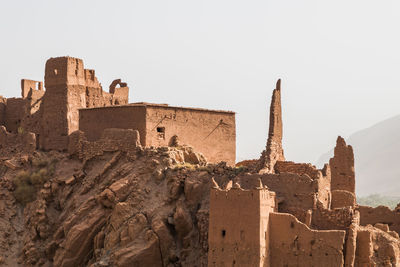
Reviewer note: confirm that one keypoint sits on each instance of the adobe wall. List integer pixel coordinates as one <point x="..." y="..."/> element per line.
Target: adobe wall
<point x="209" y="132"/>
<point x="296" y="194"/>
<point x="30" y="86"/>
<point x="376" y="248"/>
<point x="124" y="140"/>
<point x="322" y="177"/>
<point x="292" y="243"/>
<point x="65" y="93"/>
<point x="16" y="142"/>
<point x="326" y="219"/>
<point x="94" y="121"/>
<point x="238" y="227"/>
<point x="342" y="198"/>
<point x="381" y="214"/>
<point x="299" y="168"/>
<point x="15" y="111"/>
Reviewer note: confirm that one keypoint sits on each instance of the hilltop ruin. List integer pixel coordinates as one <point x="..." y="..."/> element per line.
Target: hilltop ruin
<point x="75" y="101"/>
<point x="293" y="214"/>
<point x="87" y="179"/>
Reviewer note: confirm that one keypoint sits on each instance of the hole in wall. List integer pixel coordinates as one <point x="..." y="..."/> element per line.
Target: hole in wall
<point x="223" y="233"/>
<point x="161" y="132"/>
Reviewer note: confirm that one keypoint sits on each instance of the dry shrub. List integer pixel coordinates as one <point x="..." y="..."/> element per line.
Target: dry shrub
<point x="28" y="183"/>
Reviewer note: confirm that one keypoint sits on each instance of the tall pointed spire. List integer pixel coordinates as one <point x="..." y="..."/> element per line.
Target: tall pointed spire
<point x="273" y="151"/>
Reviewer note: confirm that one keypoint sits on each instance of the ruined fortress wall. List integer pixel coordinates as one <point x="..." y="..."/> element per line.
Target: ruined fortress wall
<point x="292" y="243"/>
<point x="29" y="86"/>
<point x="235" y="237"/>
<point x="343" y="198"/>
<point x="295" y="193"/>
<point x="209" y="132"/>
<point x="54" y="123"/>
<point x="381" y="214"/>
<point x="94" y="121"/>
<point x="326" y="219"/>
<point x="321" y="177"/>
<point x="298" y="168"/>
<point x="15" y="111"/>
<point x="111" y="140"/>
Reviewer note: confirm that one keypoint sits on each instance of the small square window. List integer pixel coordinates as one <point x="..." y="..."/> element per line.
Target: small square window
<point x="161" y="132"/>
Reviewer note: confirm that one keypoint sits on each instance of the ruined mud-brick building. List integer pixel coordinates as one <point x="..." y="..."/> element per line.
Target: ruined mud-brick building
<point x="283" y="213"/>
<point x="72" y="99"/>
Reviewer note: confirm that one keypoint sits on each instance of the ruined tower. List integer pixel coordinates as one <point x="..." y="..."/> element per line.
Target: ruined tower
<point x="342" y="175"/>
<point x="238" y="226"/>
<point x="70" y="87"/>
<point x="273" y="151"/>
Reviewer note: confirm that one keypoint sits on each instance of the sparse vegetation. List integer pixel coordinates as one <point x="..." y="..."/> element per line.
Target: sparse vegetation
<point x="185" y="165"/>
<point x="376" y="200"/>
<point x="27" y="183"/>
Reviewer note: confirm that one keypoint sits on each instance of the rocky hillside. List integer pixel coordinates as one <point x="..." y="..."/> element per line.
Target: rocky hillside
<point x="146" y="207"/>
<point x="376" y="152"/>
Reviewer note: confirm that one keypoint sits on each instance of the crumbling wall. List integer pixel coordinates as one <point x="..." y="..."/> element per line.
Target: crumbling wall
<point x="298" y="168"/>
<point x="274" y="150"/>
<point x="322" y="177"/>
<point x="376" y="248"/>
<point x="342" y="198"/>
<point x="381" y="214"/>
<point x="111" y="140"/>
<point x="16" y="142"/>
<point x="326" y="219"/>
<point x="16" y="111"/>
<point x="238" y="227"/>
<point x="296" y="194"/>
<point x="119" y="94"/>
<point x="292" y="243"/>
<point x="29" y="87"/>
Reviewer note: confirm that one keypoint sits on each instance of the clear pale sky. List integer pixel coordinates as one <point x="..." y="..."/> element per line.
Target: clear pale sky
<point x="339" y="60"/>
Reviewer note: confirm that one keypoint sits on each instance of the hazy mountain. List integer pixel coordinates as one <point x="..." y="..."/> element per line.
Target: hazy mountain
<point x="377" y="161"/>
